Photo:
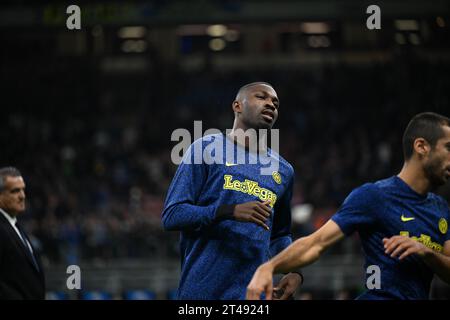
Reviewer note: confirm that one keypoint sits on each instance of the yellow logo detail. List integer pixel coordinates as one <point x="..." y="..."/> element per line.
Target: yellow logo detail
<point x="406" y="219"/>
<point x="249" y="187"/>
<point x="443" y="226"/>
<point x="425" y="240"/>
<point x="230" y="164"/>
<point x="277" y="177"/>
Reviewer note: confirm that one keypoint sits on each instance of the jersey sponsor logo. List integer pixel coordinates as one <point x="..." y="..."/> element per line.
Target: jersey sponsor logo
<point x="276" y="176"/>
<point x="425" y="240"/>
<point x="406" y="219"/>
<point x="443" y="226"/>
<point x="249" y="187"/>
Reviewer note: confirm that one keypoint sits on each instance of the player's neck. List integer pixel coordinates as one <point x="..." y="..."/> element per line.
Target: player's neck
<point x="241" y="135"/>
<point x="414" y="176"/>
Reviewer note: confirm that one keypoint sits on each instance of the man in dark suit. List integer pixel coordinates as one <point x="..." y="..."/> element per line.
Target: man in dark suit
<point x="21" y="273"/>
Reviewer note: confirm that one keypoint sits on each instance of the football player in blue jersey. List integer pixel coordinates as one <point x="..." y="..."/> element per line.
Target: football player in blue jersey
<point x="403" y="226"/>
<point x="232" y="218"/>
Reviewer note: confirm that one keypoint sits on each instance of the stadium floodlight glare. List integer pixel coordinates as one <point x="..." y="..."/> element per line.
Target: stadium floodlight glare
<point x="407" y="25"/>
<point x="315" y="27"/>
<point x="132" y="32"/>
<point x="301" y="213"/>
<point x="217" y="44"/>
<point x="217" y="30"/>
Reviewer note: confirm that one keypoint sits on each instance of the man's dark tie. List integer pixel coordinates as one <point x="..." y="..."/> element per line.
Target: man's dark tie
<point x="25" y="243"/>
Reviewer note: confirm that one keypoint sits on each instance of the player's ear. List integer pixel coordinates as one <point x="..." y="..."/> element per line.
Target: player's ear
<point x="421" y="147"/>
<point x="237" y="106"/>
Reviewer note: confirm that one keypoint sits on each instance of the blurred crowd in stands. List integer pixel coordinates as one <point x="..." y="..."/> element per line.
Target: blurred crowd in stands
<point x="94" y="148"/>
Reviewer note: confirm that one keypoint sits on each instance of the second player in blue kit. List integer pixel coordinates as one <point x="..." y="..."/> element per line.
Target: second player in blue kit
<point x="402" y="224"/>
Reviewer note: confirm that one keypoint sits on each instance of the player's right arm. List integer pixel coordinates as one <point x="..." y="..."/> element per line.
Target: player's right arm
<point x="358" y="210"/>
<point x="300" y="253"/>
<point x="182" y="210"/>
<point x="185" y="215"/>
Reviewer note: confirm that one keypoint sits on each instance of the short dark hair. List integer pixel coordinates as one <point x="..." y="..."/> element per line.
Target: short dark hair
<point x="426" y="125"/>
<point x="7" y="172"/>
<point x="248" y="85"/>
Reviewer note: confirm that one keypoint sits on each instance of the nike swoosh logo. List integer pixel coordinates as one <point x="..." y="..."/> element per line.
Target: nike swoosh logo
<point x="230" y="164"/>
<point x="406" y="219"/>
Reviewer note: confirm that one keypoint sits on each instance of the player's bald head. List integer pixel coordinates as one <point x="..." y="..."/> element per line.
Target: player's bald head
<point x="246" y="88"/>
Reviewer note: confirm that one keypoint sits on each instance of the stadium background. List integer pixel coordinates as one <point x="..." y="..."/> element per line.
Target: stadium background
<point x="87" y="116"/>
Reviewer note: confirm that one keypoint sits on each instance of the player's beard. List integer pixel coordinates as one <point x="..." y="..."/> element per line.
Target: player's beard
<point x="435" y="171"/>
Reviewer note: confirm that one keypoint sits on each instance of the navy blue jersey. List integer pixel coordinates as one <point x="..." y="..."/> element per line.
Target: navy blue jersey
<point x="219" y="257"/>
<point x="387" y="208"/>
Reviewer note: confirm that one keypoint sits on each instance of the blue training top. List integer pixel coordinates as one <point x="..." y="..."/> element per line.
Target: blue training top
<point x="390" y="207"/>
<point x="219" y="257"/>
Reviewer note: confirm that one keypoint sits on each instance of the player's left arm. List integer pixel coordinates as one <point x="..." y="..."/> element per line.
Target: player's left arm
<point x="280" y="239"/>
<point x="402" y="247"/>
